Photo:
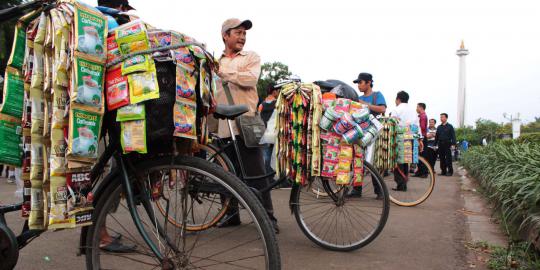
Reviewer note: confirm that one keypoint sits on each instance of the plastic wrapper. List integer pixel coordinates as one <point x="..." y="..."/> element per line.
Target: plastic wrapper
<point x="157" y="39"/>
<point x="16" y="58"/>
<point x="89" y="78"/>
<point x="58" y="152"/>
<point x="36" y="217"/>
<point x="38" y="111"/>
<point x="133" y="136"/>
<point x="185" y="84"/>
<point x="39" y="55"/>
<point x="329" y="168"/>
<point x="36" y="158"/>
<point x="184" y="58"/>
<point x="131" y="112"/>
<point x="143" y="86"/>
<point x="13" y="96"/>
<point x="344" y="164"/>
<point x="10" y="149"/>
<point x="138" y="63"/>
<point x="185" y="120"/>
<point x="80" y="197"/>
<point x="117" y="89"/>
<point x="84" y="129"/>
<point x="331" y="152"/>
<point x="90" y="31"/>
<point x="346" y="151"/>
<point x="113" y="52"/>
<point x="131" y="37"/>
<point x="58" y="215"/>
<point x="60" y="99"/>
<point x="343" y="177"/>
<point x="342" y="105"/>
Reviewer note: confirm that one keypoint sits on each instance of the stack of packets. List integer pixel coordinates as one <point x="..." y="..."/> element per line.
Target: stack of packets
<point x="193" y="69"/>
<point x="297" y="147"/>
<point x="407" y="141"/>
<point x="386" y="146"/>
<point x="349" y="127"/>
<point x="62" y="108"/>
<point x="130" y="83"/>
<point x="54" y="103"/>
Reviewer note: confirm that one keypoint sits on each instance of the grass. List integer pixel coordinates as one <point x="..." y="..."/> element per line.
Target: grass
<point x="510" y="173"/>
<point x="518" y="256"/>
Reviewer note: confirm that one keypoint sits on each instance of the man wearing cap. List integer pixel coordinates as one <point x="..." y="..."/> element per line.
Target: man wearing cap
<point x="374" y="100"/>
<point x="376" y="105"/>
<point x="240" y="71"/>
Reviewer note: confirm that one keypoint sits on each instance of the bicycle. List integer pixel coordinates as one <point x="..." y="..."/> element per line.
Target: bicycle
<point x="415" y="188"/>
<point x="129" y="192"/>
<point x="126" y="192"/>
<point x="325" y="212"/>
<point x="419" y="187"/>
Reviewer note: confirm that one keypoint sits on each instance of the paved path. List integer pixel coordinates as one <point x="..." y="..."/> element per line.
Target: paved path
<point x="430" y="236"/>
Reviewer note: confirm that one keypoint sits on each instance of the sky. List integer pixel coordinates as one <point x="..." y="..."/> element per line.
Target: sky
<point x="406" y="45"/>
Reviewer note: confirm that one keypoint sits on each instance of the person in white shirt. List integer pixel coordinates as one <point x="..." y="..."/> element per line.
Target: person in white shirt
<point x="407" y="115"/>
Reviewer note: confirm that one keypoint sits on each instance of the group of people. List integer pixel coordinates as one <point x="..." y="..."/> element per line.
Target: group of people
<point x="240" y="71"/>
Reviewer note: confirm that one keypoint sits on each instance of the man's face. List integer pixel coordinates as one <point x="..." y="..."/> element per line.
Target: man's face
<point x="431" y="123"/>
<point x="443" y="118"/>
<point x="235" y="39"/>
<point x="363" y="86"/>
<point x="418" y="109"/>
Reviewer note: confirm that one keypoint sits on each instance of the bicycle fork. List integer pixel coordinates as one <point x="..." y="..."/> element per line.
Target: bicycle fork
<point x="166" y="264"/>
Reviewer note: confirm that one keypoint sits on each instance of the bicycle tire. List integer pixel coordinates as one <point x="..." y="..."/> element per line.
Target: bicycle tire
<point x="396" y="198"/>
<point x="310" y="233"/>
<point x="242" y="193"/>
<point x="221" y="160"/>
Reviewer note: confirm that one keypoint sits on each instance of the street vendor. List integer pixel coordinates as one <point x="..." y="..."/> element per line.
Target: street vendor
<point x="407" y="116"/>
<point x="377" y="106"/>
<point x="240" y="71"/>
<point x="373" y="99"/>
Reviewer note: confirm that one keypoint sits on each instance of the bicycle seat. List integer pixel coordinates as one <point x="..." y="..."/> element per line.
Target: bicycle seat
<point x="230" y="111"/>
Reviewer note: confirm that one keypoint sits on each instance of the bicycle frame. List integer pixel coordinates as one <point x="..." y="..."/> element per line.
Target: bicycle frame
<point x="27" y="235"/>
<point x="242" y="174"/>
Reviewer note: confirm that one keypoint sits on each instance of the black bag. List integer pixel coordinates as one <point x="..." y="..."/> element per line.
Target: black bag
<point x="251" y="127"/>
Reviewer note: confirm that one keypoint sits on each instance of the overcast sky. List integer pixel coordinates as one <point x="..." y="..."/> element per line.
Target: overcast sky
<point x="406" y="45"/>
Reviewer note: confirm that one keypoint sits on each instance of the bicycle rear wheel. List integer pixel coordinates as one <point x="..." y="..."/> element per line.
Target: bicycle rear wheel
<point x="332" y="219"/>
<point x="252" y="245"/>
<point x="419" y="188"/>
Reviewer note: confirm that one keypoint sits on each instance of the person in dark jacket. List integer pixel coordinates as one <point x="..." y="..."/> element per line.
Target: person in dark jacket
<point x="445" y="138"/>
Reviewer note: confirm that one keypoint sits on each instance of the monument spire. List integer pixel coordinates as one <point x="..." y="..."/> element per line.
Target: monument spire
<point x="462" y="93"/>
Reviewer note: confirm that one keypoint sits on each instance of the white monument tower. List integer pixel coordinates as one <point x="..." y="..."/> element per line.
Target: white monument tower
<point x="462" y="94"/>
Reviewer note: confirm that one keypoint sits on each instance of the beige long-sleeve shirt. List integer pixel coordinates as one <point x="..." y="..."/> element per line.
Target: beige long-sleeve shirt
<point x="241" y="72"/>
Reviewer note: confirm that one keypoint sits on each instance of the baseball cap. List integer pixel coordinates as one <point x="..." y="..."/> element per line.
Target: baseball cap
<point x="234" y="23"/>
<point x="363" y="77"/>
<point x="115" y="3"/>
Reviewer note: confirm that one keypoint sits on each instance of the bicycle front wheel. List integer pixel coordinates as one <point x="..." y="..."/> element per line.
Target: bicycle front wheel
<point x="251" y="245"/>
<point x="336" y="220"/>
<point x="417" y="188"/>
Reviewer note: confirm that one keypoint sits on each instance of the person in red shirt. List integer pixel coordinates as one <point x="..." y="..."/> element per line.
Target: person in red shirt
<point x="423" y="121"/>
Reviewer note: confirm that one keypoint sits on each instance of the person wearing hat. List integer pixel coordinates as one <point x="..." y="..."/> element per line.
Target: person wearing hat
<point x="240" y="71"/>
<point x="114" y="10"/>
<point x="377" y="105"/>
<point x="374" y="100"/>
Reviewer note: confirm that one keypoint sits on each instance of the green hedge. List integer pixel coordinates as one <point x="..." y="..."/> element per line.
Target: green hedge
<point x="510" y="172"/>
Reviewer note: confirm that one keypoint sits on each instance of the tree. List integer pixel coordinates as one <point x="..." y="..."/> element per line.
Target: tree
<point x="468" y="133"/>
<point x="7" y="30"/>
<point x="271" y="73"/>
<point x="487" y="129"/>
